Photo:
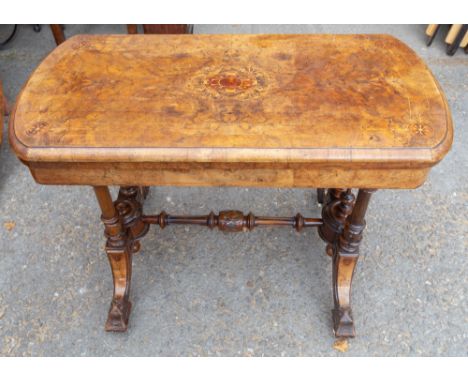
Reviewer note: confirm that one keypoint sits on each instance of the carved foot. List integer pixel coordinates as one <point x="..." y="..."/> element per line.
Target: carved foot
<point x="117" y="319"/>
<point x="343" y="324"/>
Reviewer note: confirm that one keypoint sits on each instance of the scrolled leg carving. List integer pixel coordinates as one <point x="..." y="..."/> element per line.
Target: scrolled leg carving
<point x="121" y="221"/>
<point x="129" y="205"/>
<point x="339" y="204"/>
<point x="120" y="260"/>
<point x="345" y="256"/>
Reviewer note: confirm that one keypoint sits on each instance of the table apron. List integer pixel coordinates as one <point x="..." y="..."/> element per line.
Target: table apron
<point x="225" y="175"/>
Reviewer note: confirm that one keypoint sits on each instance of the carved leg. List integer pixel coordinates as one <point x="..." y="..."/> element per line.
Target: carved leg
<point x="119" y="252"/>
<point x="129" y="205"/>
<point x="345" y="256"/>
<point x="338" y="205"/>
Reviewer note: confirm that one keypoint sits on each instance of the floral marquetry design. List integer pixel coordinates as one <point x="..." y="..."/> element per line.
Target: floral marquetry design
<point x="230" y="82"/>
<point x="420" y="129"/>
<point x="243" y="82"/>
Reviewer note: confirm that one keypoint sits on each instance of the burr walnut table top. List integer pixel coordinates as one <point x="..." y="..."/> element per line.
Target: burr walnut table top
<point x="303" y="110"/>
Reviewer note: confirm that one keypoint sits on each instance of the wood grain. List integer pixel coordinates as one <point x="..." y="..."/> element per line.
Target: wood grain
<point x="225" y="174"/>
<point x="277" y="100"/>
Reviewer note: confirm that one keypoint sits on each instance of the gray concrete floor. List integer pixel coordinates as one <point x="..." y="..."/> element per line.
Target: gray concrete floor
<point x="197" y="292"/>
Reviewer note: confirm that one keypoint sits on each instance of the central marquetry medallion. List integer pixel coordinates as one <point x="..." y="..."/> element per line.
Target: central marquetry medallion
<point x="231" y="82"/>
<point x="243" y="82"/>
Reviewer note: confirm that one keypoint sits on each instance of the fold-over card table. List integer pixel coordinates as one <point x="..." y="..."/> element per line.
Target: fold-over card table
<point x="332" y="112"/>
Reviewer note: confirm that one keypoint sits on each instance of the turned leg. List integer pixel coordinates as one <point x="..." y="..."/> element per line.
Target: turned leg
<point x="119" y="248"/>
<point x="345" y="256"/>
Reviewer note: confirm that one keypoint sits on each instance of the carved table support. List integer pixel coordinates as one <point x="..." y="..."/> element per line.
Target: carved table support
<point x="123" y="226"/>
<point x="120" y="259"/>
<point x="338" y="205"/>
<point x="232" y="221"/>
<point x="129" y="205"/>
<point x="341" y="227"/>
<point x="345" y="256"/>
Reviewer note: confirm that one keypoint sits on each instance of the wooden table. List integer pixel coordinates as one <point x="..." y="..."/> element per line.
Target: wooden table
<point x="331" y="112"/>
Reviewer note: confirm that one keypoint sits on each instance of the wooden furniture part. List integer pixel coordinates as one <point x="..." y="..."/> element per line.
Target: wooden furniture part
<point x="59" y="35"/>
<point x="161" y="28"/>
<point x="464" y="42"/>
<point x="431" y="32"/>
<point x="318" y="111"/>
<point x="57" y="32"/>
<point x="457" y="36"/>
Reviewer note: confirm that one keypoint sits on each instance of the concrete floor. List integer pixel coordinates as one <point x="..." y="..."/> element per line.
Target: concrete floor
<point x="197" y="292"/>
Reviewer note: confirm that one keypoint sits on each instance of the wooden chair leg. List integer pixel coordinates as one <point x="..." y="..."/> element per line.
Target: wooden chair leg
<point x="57" y="32"/>
<point x="167" y="29"/>
<point x="119" y="252"/>
<point x="454" y="37"/>
<point x="345" y="256"/>
<point x="161" y="28"/>
<point x="431" y="32"/>
<point x="132" y="28"/>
